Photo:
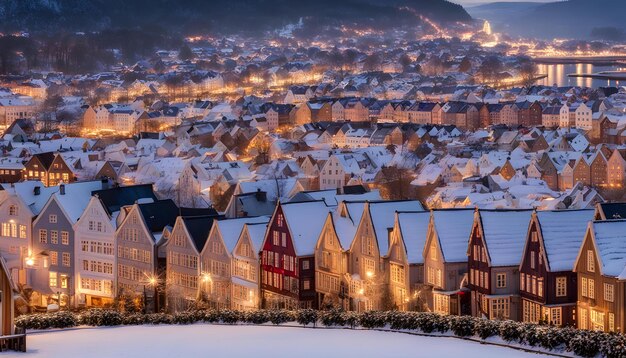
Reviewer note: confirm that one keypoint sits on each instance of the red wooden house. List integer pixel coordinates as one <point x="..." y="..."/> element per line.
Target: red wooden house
<point x="494" y="254"/>
<point x="288" y="255"/>
<point x="547" y="282"/>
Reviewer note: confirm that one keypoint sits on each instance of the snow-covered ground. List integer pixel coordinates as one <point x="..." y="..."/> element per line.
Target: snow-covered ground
<point x="248" y="341"/>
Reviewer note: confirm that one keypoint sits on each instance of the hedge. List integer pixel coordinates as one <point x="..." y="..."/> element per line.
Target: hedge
<point x="579" y="342"/>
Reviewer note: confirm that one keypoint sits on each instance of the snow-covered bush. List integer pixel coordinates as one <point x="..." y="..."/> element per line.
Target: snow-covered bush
<point x="185" y="317"/>
<point x="462" y="326"/>
<point x="159" y="318"/>
<point x="134" y="319"/>
<point x="257" y="317"/>
<point x="376" y="319"/>
<point x="306" y="317"/>
<point x="281" y="316"/>
<point x="614" y="345"/>
<point x="230" y="316"/>
<point x="333" y="317"/>
<point x="61" y="319"/>
<point x="510" y="331"/>
<point x="100" y="317"/>
<point x="486" y="328"/>
<point x="584" y="344"/>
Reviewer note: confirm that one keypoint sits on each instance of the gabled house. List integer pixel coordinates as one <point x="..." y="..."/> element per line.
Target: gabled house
<point x="94" y="240"/>
<point x="369" y="257"/>
<point x="288" y="255"/>
<point x="494" y="255"/>
<point x="445" y="260"/>
<point x="600" y="268"/>
<point x="186" y="280"/>
<point x="54" y="239"/>
<point x="548" y="284"/>
<point x="51" y="169"/>
<point x="216" y="260"/>
<point x="246" y="269"/>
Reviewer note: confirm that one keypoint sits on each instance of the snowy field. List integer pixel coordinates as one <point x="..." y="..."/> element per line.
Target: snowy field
<point x="203" y="340"/>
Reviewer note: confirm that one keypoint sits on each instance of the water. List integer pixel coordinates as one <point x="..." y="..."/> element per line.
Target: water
<point x="557" y="73"/>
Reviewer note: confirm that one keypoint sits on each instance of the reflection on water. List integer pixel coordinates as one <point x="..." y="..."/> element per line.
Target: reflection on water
<point x="557" y="73"/>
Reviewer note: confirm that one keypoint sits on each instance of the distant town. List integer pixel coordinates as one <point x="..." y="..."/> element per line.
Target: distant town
<point x="460" y="172"/>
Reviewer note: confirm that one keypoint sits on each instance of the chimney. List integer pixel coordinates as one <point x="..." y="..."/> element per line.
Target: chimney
<point x="37" y="190"/>
<point x="338" y="191"/>
<point x="261" y="195"/>
<point x="105" y="183"/>
<point x="62" y="189"/>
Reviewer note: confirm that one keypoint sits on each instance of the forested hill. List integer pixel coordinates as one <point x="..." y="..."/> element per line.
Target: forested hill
<point x="225" y="16"/>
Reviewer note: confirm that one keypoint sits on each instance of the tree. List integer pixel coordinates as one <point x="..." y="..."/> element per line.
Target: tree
<point x="490" y="68"/>
<point x="528" y="72"/>
<point x="466" y="65"/>
<point x="405" y="61"/>
<point x="372" y="62"/>
<point x="394" y="183"/>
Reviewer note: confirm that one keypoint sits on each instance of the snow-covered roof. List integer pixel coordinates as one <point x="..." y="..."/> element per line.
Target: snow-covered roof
<point x="505" y="235"/>
<point x="610" y="242"/>
<point x="414" y="228"/>
<point x="382" y="214"/>
<point x="563" y="232"/>
<point x="453" y="228"/>
<point x="231" y="229"/>
<point x="305" y="222"/>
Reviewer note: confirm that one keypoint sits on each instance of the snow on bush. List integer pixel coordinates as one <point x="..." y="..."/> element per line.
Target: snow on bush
<point x="581" y="343"/>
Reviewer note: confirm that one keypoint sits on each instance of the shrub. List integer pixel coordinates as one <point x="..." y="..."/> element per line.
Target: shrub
<point x="584" y="344"/>
<point x="306" y="317"/>
<point x="375" y="319"/>
<point x="485" y="328"/>
<point x="281" y="316"/>
<point x="257" y="317"/>
<point x="61" y="319"/>
<point x="333" y="317"/>
<point x="510" y="331"/>
<point x="185" y="317"/>
<point x="159" y="318"/>
<point x="462" y="326"/>
<point x="230" y="316"/>
<point x="134" y="319"/>
<point x="101" y="317"/>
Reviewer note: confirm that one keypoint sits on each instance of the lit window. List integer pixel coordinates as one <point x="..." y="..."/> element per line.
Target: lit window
<point x="501" y="280"/>
<point x="591" y="264"/>
<point x="561" y="286"/>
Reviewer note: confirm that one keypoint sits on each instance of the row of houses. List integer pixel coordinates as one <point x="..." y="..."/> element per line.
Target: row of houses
<point x="465" y="115"/>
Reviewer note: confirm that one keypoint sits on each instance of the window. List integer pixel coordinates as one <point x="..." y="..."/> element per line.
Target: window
<point x="591" y="264"/>
<point x="540" y="287"/>
<point x="611" y="322"/>
<point x="441" y="304"/>
<point x="276" y="238"/>
<point x="500" y="308"/>
<point x="65" y="237"/>
<point x="583" y="287"/>
<point x="522" y="282"/>
<point x="501" y="280"/>
<point x="66" y="259"/>
<point x="609" y="292"/>
<point x="305" y="264"/>
<point x="13" y="210"/>
<point x="64" y="281"/>
<point x="284" y="239"/>
<point x="54" y="237"/>
<point x="54" y="258"/>
<point x="306" y="285"/>
<point x="534" y="236"/>
<point x="582" y="324"/>
<point x="592" y="288"/>
<point x="53" y="279"/>
<point x="52" y="219"/>
<point x="43" y="236"/>
<point x="433" y="252"/>
<point x="532" y="260"/>
<point x="280" y="220"/>
<point x="22" y="231"/>
<point x="561" y="286"/>
<point x="555" y="316"/>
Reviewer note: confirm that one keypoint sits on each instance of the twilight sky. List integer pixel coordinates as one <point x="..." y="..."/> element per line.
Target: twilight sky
<point x="480" y="2"/>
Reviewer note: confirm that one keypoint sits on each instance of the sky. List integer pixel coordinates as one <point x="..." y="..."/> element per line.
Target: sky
<point x="480" y="2"/>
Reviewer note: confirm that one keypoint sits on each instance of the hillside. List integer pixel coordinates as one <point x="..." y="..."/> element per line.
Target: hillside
<point x="570" y="19"/>
<point x="217" y="15"/>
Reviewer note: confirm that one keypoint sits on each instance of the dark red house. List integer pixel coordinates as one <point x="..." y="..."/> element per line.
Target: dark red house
<point x="288" y="255"/>
<point x="547" y="282"/>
